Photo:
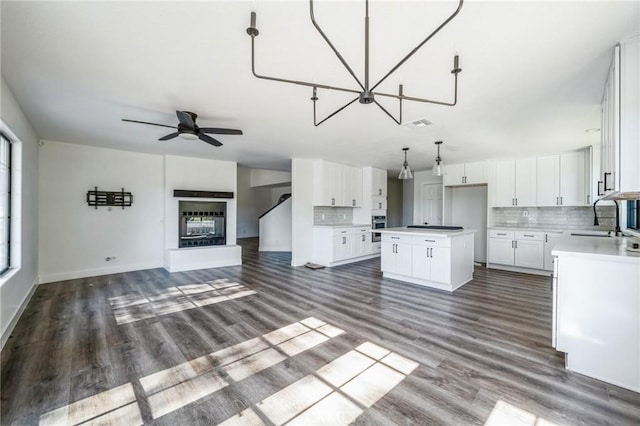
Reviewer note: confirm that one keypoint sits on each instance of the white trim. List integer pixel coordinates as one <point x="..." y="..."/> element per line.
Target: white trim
<point x="531" y="271"/>
<point x="63" y="276"/>
<point x="11" y="325"/>
<point x="424" y="283"/>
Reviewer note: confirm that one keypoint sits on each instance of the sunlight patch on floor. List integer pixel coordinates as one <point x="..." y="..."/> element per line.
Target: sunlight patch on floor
<point x="134" y="307"/>
<point x="183" y="384"/>
<point x="108" y="407"/>
<point x="505" y="414"/>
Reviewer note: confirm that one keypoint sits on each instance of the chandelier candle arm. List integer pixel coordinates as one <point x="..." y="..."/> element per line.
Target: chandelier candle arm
<point x="403" y="60"/>
<point x="344" y="62"/>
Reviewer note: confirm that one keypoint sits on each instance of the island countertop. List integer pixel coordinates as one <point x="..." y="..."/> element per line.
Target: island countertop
<point x="597" y="248"/>
<point x="421" y="232"/>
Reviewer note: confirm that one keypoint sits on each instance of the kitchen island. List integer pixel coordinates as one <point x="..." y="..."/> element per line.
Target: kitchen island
<point x="596" y="308"/>
<point x="441" y="259"/>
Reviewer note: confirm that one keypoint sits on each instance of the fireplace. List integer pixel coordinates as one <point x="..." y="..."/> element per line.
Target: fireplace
<point x="202" y="223"/>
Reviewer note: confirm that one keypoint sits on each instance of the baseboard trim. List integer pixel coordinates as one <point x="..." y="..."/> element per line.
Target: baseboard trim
<point x="519" y="269"/>
<point x="12" y="324"/>
<point x="72" y="275"/>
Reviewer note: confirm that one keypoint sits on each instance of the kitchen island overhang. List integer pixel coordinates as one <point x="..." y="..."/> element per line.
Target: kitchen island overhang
<point x="441" y="259"/>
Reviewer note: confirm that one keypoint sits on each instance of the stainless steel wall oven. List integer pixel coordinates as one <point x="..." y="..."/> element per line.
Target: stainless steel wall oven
<point x="378" y="222"/>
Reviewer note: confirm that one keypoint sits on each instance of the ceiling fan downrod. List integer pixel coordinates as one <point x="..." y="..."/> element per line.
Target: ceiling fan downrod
<point x="366" y="93"/>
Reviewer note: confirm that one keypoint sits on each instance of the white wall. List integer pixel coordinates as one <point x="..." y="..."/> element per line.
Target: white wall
<point x="420" y="178"/>
<point x="16" y="288"/>
<point x="301" y="211"/>
<point x="75" y="238"/>
<point x="263" y="177"/>
<point x="275" y="229"/>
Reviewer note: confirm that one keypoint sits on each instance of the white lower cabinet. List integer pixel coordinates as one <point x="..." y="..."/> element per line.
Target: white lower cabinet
<point x="431" y="262"/>
<point x="339" y="245"/>
<point x="521" y="249"/>
<point x="440" y="262"/>
<point x="396" y="255"/>
<point x="550" y="240"/>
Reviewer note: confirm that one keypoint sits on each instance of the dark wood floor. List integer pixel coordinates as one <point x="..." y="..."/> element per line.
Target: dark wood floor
<point x="198" y="348"/>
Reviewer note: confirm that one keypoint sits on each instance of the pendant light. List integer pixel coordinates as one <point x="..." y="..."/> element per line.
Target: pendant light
<point x="405" y="173"/>
<point x="438" y="166"/>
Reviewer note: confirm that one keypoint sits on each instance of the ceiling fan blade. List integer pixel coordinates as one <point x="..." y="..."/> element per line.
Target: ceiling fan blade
<point x="186" y="119"/>
<point x="209" y="139"/>
<point x="219" y="131"/>
<point x="169" y="136"/>
<point x="145" y="122"/>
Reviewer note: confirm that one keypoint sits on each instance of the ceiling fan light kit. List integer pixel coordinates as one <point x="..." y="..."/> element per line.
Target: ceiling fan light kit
<point x="366" y="93"/>
<point x="188" y="129"/>
<point x="438" y="167"/>
<point x="405" y="173"/>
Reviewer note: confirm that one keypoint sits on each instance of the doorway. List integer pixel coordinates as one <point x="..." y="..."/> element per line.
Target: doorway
<point x="431" y="204"/>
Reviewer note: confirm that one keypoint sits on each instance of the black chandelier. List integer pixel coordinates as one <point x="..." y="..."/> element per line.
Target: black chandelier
<point x="366" y="93"/>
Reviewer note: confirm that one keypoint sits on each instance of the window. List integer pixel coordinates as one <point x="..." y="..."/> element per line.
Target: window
<point x="633" y="215"/>
<point x="5" y="203"/>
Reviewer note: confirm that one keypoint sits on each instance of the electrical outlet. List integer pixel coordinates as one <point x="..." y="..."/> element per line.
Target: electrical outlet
<point x="525" y="213"/>
<point x="344" y="216"/>
<point x="322" y="216"/>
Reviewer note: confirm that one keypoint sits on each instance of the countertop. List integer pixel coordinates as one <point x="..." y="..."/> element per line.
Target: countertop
<point x="612" y="248"/>
<point x="426" y="232"/>
<point x="549" y="229"/>
<point x="349" y="225"/>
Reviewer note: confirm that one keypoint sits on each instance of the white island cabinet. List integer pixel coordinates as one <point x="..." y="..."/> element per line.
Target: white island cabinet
<point x="433" y="258"/>
<point x="596" y="308"/>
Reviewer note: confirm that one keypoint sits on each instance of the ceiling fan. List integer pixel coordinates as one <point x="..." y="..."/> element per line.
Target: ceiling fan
<point x="188" y="129"/>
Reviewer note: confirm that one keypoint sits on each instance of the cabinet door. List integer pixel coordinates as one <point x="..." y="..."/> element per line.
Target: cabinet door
<point x="421" y="262"/>
<point x="388" y="257"/>
<point x="453" y="175"/>
<point x="505" y="183"/>
<point x="548" y="180"/>
<point x="474" y="173"/>
<point x="403" y="259"/>
<point x="525" y="182"/>
<point x="341" y="248"/>
<point x="529" y="254"/>
<point x="379" y="203"/>
<point x="352" y="187"/>
<point x="550" y="241"/>
<point x="361" y="244"/>
<point x="327" y="184"/>
<point x="379" y="183"/>
<point x="572" y="192"/>
<point x="441" y="264"/>
<point x="501" y="251"/>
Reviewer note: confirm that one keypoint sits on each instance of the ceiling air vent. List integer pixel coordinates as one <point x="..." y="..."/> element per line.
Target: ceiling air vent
<point x="418" y="124"/>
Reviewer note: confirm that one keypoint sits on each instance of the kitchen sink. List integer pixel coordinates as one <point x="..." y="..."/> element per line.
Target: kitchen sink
<point x="441" y="227"/>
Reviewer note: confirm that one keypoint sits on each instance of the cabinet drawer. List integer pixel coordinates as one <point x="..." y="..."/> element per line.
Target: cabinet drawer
<point x="430" y="241"/>
<point x="395" y="238"/>
<point x="494" y="233"/>
<point x="361" y="230"/>
<point x="342" y="231"/>
<point x="533" y="236"/>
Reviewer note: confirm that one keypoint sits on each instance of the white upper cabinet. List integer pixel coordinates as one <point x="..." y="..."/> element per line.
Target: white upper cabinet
<point x="561" y="179"/>
<point x="327" y="181"/>
<point x="379" y="182"/>
<point x="465" y="174"/>
<point x="336" y="185"/>
<point x="515" y="183"/>
<point x="620" y="126"/>
<point x="352" y="187"/>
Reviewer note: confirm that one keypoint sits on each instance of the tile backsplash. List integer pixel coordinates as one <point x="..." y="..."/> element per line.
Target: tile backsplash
<point x="555" y="217"/>
<point x="332" y="215"/>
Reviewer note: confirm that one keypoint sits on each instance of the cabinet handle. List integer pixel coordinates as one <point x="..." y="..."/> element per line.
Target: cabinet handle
<point x="363" y="238"/>
<point x="333" y="201"/>
<point x="430" y="241"/>
<point x="599" y="183"/>
<point x="561" y="201"/>
<point x="512" y="245"/>
<point x="513" y="201"/>
<point x="395" y="238"/>
<point x="344" y="240"/>
<point x="546" y="238"/>
<point x="606" y="187"/>
<point x="462" y="179"/>
<point x="557" y="201"/>
<point x="379" y="191"/>
<point x="588" y="199"/>
<point x="527" y="235"/>
<point x="500" y="233"/>
<point x="516" y="241"/>
<point x="431" y="253"/>
<point x="516" y="201"/>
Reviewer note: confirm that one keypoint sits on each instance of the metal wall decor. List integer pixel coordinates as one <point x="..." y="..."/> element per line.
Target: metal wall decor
<point x="365" y="93"/>
<point x="109" y="198"/>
